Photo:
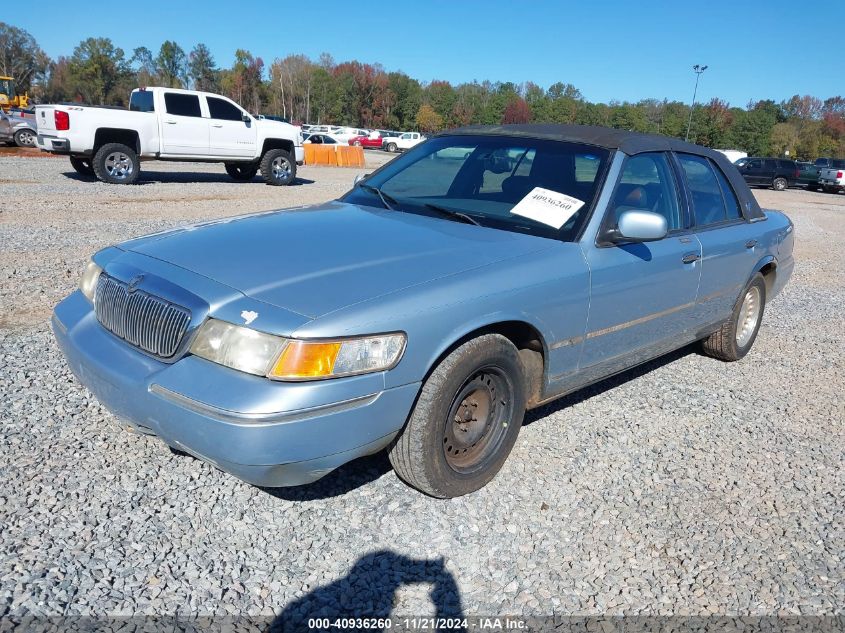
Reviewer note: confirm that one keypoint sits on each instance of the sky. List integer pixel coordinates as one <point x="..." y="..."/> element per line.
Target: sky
<point x="610" y="50"/>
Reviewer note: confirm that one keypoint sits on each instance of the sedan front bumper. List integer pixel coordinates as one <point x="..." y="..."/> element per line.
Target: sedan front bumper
<point x="264" y="432"/>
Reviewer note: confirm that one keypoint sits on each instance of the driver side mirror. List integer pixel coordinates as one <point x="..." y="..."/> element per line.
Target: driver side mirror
<point x="359" y="178"/>
<point x="642" y="226"/>
<point x="246" y="118"/>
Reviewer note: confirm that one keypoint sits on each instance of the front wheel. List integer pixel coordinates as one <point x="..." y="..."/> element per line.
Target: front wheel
<point x="466" y="420"/>
<point x="734" y="339"/>
<point x="278" y="168"/>
<point x="116" y="163"/>
<point x="780" y="184"/>
<point x="25" y="138"/>
<point x="242" y="172"/>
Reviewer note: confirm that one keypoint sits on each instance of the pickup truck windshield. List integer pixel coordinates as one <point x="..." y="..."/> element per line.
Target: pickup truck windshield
<point x="484" y="177"/>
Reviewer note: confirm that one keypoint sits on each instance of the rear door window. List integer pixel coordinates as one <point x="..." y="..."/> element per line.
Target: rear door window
<point x="707" y="199"/>
<point x="182" y="105"/>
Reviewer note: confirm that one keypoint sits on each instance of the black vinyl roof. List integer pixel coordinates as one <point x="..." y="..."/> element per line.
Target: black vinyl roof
<point x="628" y="142"/>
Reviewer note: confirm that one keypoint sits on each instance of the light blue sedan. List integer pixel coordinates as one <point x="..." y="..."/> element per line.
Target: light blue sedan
<point x="484" y="272"/>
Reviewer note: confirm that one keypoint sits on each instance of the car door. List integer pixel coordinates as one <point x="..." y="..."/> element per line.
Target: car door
<point x="229" y="134"/>
<point x="753" y="171"/>
<point x="642" y="294"/>
<point x="184" y="131"/>
<point x="728" y="244"/>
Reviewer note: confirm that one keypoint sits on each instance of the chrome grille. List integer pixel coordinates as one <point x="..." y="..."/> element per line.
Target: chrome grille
<point x="148" y="322"/>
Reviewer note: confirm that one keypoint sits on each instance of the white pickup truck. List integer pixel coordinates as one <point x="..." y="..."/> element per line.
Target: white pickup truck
<point x="832" y="179"/>
<point x="170" y="124"/>
<point x="402" y="142"/>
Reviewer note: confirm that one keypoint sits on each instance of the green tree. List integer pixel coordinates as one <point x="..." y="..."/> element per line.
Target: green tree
<point x="428" y="120"/>
<point x="21" y="57"/>
<point x="172" y="65"/>
<point x="143" y="63"/>
<point x="98" y="72"/>
<point x="202" y="71"/>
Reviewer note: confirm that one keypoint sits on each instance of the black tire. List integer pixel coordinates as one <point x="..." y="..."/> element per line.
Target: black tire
<point x="25" y="138"/>
<point x="242" y="172"/>
<point x="444" y="457"/>
<point x="82" y="166"/>
<point x="780" y="184"/>
<point x="117" y="164"/>
<point x="391" y="147"/>
<point x="278" y="167"/>
<point x="356" y="144"/>
<point x="725" y="343"/>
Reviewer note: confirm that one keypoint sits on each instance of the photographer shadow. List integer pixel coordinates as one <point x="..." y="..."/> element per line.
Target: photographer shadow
<point x="369" y="591"/>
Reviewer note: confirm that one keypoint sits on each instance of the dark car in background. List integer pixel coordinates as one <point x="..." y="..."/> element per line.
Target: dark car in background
<point x="808" y="176"/>
<point x="777" y="173"/>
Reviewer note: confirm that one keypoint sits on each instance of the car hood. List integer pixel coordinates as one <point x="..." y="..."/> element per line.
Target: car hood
<point x="315" y="260"/>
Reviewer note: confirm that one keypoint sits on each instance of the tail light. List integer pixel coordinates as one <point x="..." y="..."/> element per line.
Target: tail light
<point x="62" y="120"/>
<point x="839" y="174"/>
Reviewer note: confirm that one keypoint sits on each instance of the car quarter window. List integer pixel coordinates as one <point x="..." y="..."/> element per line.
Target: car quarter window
<point x="734" y="211"/>
<point x="708" y="200"/>
<point x="182" y="104"/>
<point x="647" y="184"/>
<point x="222" y="109"/>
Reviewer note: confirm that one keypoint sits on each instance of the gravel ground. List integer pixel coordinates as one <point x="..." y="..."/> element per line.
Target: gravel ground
<point x="687" y="486"/>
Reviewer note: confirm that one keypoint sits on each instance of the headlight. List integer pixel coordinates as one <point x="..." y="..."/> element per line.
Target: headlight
<point x="303" y="360"/>
<point x="237" y="347"/>
<point x="88" y="283"/>
<point x="279" y="358"/>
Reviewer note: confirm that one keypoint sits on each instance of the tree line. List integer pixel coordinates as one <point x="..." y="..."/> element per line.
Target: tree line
<point x="306" y="90"/>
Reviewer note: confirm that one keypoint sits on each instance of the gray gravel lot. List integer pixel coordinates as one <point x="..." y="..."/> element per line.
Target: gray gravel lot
<point x="688" y="486"/>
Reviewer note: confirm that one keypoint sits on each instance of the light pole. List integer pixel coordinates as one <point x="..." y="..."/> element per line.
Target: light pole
<point x="697" y="69"/>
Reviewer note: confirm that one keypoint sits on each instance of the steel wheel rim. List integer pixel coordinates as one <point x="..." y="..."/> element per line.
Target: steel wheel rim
<point x="477" y="421"/>
<point x="281" y="168"/>
<point x="749" y="314"/>
<point x="119" y="165"/>
<point x="779" y="184"/>
<point x="28" y="138"/>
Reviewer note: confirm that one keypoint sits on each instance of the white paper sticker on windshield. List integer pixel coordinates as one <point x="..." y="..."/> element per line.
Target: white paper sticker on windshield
<point x="547" y="206"/>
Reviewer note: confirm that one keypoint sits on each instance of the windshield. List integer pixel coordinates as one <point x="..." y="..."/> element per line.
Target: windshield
<point x="484" y="177"/>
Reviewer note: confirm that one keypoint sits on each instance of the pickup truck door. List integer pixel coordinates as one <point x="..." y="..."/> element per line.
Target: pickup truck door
<point x="229" y="134"/>
<point x="729" y="243"/>
<point x="642" y="295"/>
<point x="184" y="131"/>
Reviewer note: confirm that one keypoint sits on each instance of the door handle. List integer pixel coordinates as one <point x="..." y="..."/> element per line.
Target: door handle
<point x="170" y="121"/>
<point x="216" y="125"/>
<point x="751" y="244"/>
<point x="689" y="258"/>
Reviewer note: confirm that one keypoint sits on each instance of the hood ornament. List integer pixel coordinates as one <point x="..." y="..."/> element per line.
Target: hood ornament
<point x="134" y="283"/>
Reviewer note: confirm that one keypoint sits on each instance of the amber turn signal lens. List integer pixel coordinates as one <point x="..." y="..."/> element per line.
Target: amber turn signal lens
<point x="302" y="359"/>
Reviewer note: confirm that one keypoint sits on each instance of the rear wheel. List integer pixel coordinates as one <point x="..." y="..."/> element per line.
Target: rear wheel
<point x="82" y="166"/>
<point x="734" y="339"/>
<point x="391" y="147"/>
<point x="466" y="420"/>
<point x="116" y="163"/>
<point x="357" y="143"/>
<point x="25" y="138"/>
<point x="278" y="168"/>
<point x="242" y="171"/>
<point x="780" y="184"/>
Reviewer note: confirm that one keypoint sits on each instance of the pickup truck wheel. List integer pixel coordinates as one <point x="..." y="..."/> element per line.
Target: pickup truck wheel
<point x="25" y="138"/>
<point x="242" y="171"/>
<point x="116" y="163"/>
<point x="278" y="168"/>
<point x="466" y="420"/>
<point x="734" y="339"/>
<point x="82" y="166"/>
<point x="780" y="184"/>
<point x="391" y="147"/>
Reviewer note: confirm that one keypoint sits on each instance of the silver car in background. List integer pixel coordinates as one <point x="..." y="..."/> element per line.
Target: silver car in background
<point x="18" y="130"/>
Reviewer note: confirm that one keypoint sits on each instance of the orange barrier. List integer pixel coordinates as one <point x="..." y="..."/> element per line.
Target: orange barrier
<point x="334" y="155"/>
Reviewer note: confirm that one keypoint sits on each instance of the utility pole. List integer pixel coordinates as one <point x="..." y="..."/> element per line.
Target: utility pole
<point x="697" y="69"/>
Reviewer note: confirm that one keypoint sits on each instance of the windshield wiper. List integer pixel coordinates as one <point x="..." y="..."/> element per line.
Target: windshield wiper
<point x="386" y="199"/>
<point x="452" y="213"/>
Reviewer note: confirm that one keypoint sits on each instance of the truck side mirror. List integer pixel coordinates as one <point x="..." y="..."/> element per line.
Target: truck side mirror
<point x="246" y="118"/>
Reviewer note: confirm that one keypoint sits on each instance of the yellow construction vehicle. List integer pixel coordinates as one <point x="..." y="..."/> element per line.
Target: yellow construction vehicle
<point x="9" y="97"/>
